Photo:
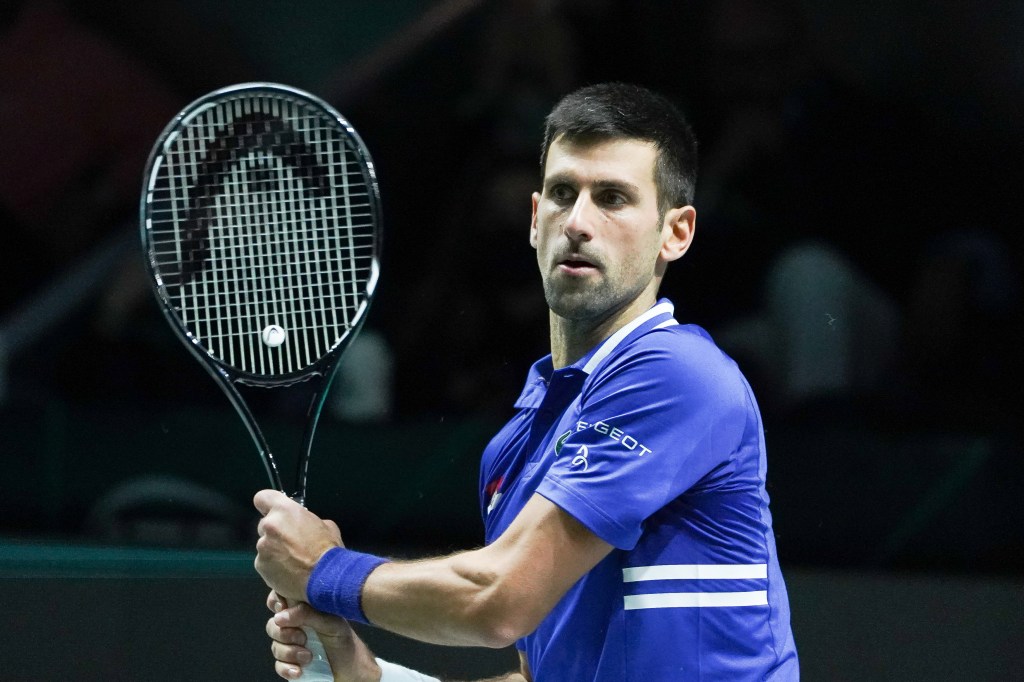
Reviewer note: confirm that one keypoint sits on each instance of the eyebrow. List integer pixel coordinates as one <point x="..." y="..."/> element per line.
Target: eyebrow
<point x="601" y="183"/>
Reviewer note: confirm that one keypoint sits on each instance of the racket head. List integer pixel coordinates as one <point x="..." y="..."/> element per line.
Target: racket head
<point x="260" y="222"/>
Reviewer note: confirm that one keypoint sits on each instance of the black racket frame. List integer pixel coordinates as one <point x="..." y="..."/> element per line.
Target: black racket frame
<point x="226" y="376"/>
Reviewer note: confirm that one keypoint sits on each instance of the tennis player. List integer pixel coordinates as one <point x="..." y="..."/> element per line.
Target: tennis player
<point x="628" y="535"/>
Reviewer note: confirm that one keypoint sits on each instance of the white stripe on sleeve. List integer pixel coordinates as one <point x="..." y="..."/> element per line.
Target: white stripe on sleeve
<point x="696" y="572"/>
<point x="669" y="600"/>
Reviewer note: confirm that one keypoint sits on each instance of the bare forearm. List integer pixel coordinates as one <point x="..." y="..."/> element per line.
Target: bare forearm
<point x="490" y="596"/>
<point x="449" y="601"/>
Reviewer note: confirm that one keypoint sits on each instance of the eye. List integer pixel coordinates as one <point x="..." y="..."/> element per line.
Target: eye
<point x="562" y="193"/>
<point x="613" y="198"/>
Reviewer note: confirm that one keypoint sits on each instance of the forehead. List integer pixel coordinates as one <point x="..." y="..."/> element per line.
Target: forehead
<point x="625" y="160"/>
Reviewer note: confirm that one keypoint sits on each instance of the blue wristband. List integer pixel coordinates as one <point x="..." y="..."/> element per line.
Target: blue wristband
<point x="336" y="583"/>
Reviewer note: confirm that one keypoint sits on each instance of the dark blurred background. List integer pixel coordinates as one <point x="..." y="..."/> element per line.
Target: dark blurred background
<point x="856" y="253"/>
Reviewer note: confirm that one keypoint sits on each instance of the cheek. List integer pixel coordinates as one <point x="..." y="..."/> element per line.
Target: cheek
<point x="641" y="256"/>
<point x="540" y="233"/>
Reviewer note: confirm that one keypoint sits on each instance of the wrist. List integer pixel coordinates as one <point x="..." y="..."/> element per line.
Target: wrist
<point x="350" y="658"/>
<point x="336" y="582"/>
<point x="368" y="670"/>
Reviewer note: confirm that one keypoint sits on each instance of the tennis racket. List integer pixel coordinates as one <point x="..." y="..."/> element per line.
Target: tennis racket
<point x="260" y="220"/>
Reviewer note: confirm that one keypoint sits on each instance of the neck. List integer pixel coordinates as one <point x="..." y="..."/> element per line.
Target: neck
<point x="571" y="338"/>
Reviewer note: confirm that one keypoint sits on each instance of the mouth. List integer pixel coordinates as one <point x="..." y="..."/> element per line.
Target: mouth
<point x="576" y="266"/>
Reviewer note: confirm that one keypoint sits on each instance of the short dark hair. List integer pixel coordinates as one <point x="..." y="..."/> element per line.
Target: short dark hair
<point x="620" y="110"/>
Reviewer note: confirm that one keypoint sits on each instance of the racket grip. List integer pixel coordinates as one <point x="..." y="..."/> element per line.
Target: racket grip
<point x="319" y="669"/>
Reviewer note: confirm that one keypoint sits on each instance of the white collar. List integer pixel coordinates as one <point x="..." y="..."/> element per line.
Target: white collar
<point x="662" y="308"/>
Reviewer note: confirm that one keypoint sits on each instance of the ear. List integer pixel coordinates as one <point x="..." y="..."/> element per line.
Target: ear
<point x="677" y="232"/>
<point x="534" y="199"/>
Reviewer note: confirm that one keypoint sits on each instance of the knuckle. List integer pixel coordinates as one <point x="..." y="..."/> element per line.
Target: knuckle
<point x="288" y="653"/>
<point x="279" y="651"/>
<point x="264" y="545"/>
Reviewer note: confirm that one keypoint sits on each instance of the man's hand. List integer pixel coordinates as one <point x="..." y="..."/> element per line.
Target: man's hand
<point x="350" y="658"/>
<point x="292" y="539"/>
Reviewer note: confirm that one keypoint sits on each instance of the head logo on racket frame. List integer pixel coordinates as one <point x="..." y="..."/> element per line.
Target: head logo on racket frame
<point x="260" y="209"/>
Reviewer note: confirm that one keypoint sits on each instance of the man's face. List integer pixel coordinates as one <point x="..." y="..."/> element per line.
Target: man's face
<point x="596" y="227"/>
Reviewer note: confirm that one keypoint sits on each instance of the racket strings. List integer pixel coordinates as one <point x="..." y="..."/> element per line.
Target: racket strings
<point x="264" y="220"/>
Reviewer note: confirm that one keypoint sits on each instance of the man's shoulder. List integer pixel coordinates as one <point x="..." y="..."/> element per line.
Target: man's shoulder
<point x="674" y="359"/>
<point x="680" y="347"/>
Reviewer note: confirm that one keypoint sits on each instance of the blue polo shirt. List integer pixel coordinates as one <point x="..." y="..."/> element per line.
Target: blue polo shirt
<point x="654" y="442"/>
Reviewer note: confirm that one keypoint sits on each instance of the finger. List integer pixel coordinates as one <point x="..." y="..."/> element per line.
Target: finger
<point x="285" y="634"/>
<point x="291" y="653"/>
<point x="298" y="616"/>
<point x="265" y="500"/>
<point x="274" y="602"/>
<point x="287" y="671"/>
<point x="303" y="615"/>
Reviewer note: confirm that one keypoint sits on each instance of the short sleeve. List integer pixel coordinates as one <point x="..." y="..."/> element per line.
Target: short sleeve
<point x="652" y="423"/>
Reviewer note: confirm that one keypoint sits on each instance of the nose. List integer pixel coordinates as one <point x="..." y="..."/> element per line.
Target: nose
<point x="580" y="223"/>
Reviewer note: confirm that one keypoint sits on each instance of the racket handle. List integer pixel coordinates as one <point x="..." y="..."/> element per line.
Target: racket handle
<point x="319" y="669"/>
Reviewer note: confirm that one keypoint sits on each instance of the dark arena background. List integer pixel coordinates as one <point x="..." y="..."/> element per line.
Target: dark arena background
<point x="857" y="253"/>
